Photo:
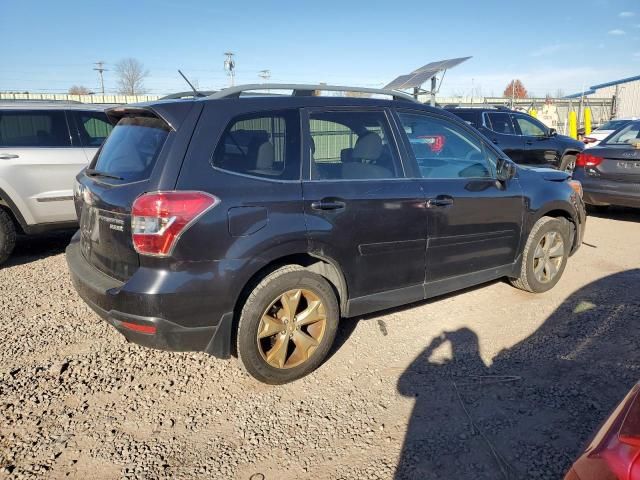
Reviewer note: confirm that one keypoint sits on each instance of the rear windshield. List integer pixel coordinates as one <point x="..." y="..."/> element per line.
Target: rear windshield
<point x="132" y="148"/>
<point x="629" y="135"/>
<point x="613" y="125"/>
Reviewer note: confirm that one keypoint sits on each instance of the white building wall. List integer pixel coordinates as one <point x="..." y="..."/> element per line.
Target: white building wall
<point x="628" y="104"/>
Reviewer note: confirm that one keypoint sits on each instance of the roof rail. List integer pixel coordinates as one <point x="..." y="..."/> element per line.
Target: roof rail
<point x="300" y="90"/>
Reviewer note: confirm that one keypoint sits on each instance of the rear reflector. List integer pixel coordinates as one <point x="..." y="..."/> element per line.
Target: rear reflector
<point x="576" y="186"/>
<point x="588" y="160"/>
<point x="158" y="219"/>
<point x="149" y="329"/>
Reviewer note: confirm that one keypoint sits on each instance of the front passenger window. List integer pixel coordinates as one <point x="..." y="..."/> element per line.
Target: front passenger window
<point x="529" y="128"/>
<point x="443" y="149"/>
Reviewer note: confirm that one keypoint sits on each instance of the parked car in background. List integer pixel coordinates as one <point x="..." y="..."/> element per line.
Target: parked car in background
<point x="43" y="145"/>
<point x="602" y="132"/>
<point x="614" y="452"/>
<point x="610" y="172"/>
<point x="203" y="227"/>
<point x="525" y="139"/>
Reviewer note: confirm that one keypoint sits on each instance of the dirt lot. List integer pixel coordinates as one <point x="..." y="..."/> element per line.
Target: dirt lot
<point x="490" y="383"/>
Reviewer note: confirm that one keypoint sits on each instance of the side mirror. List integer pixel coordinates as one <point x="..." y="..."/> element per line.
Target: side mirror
<point x="553" y="132"/>
<point x="505" y="169"/>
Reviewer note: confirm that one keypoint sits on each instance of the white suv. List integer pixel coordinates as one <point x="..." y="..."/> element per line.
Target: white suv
<point x="43" y="145"/>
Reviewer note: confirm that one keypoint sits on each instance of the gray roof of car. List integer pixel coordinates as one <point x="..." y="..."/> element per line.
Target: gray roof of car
<point x="50" y="105"/>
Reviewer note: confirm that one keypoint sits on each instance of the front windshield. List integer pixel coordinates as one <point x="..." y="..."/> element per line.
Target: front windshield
<point x="629" y="135"/>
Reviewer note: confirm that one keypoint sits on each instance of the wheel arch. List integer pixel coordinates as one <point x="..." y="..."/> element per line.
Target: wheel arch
<point x="560" y="212"/>
<point x="8" y="205"/>
<point x="321" y="265"/>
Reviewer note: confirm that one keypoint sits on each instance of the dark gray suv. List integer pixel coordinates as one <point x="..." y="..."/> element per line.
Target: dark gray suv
<point x="251" y="224"/>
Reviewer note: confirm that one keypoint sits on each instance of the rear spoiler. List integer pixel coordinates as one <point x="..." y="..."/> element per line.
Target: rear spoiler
<point x="172" y="113"/>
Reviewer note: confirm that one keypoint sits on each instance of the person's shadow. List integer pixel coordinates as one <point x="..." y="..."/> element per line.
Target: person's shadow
<point x="529" y="414"/>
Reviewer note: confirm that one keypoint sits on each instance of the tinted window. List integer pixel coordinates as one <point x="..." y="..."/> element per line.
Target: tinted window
<point x="627" y="136"/>
<point x="530" y="127"/>
<point x="133" y="147"/>
<point x="34" y="129"/>
<point x="469" y="117"/>
<point x="264" y="145"/>
<point x="613" y="125"/>
<point x="443" y="149"/>
<point x="93" y="128"/>
<point x="501" y="123"/>
<point x="351" y="146"/>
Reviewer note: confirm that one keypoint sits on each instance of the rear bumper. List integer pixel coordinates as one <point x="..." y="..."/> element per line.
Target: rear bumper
<point x="598" y="191"/>
<point x="132" y="308"/>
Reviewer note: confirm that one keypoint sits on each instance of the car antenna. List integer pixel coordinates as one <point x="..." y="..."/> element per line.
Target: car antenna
<point x="196" y="92"/>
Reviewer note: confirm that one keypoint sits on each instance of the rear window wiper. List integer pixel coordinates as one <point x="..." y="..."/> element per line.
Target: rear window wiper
<point x="92" y="172"/>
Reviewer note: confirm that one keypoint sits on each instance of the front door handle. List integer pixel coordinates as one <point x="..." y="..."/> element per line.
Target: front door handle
<point x="494" y="140"/>
<point x="328" y="204"/>
<point x="529" y="142"/>
<point x="8" y="156"/>
<point x="440" y="201"/>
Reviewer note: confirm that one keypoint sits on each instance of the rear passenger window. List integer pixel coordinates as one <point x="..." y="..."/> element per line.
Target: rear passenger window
<point x="264" y="145"/>
<point x="444" y="150"/>
<point x="351" y="146"/>
<point x="501" y="123"/>
<point x="93" y="128"/>
<point x="34" y="129"/>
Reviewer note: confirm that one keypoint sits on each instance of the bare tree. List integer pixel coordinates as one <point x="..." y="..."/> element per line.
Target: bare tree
<point x="131" y="74"/>
<point x="79" y="90"/>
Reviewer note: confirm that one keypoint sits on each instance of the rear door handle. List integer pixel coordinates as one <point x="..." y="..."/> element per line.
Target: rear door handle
<point x="440" y="201"/>
<point x="8" y="156"/>
<point x="494" y="140"/>
<point x="529" y="142"/>
<point x="328" y="204"/>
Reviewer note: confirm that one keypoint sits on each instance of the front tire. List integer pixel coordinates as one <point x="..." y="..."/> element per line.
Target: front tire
<point x="7" y="236"/>
<point x="287" y="325"/>
<point x="545" y="255"/>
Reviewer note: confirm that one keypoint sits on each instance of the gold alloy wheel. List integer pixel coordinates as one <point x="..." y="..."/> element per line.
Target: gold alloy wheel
<point x="548" y="256"/>
<point x="291" y="328"/>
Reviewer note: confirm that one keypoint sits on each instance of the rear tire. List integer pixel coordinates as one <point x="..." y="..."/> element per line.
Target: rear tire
<point x="568" y="163"/>
<point x="287" y="325"/>
<point x="7" y="235"/>
<point x="545" y="255"/>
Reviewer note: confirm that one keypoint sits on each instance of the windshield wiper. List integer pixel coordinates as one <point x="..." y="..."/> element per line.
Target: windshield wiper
<point x="92" y="172"/>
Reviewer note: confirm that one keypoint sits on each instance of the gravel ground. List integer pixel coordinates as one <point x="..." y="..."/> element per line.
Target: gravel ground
<point x="490" y="383"/>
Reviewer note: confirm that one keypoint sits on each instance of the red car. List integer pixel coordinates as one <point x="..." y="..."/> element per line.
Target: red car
<point x="614" y="452"/>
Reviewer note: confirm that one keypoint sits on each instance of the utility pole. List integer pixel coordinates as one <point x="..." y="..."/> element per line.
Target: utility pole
<point x="513" y="93"/>
<point x="230" y="67"/>
<point x="100" y="68"/>
<point x="264" y="74"/>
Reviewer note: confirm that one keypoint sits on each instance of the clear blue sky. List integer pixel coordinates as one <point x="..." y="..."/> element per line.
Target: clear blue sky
<point x="50" y="45"/>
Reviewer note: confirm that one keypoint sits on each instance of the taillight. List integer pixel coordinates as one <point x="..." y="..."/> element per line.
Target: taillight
<point x="158" y="219"/>
<point x="589" y="140"/>
<point x="630" y="430"/>
<point x="587" y="160"/>
<point x="622" y="454"/>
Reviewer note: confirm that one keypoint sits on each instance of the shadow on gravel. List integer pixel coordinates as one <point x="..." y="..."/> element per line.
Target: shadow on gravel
<point x="530" y="413"/>
<point x="347" y="326"/>
<point x="616" y="213"/>
<point x="36" y="247"/>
